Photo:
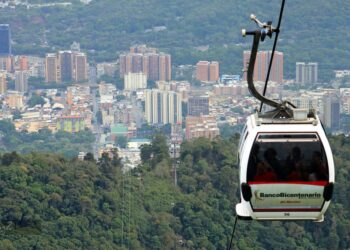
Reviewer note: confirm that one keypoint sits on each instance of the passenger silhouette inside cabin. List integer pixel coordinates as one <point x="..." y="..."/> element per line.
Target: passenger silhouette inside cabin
<point x="264" y="173"/>
<point x="299" y="173"/>
<point x="271" y="160"/>
<point x="266" y="170"/>
<point x="295" y="167"/>
<point x="318" y="170"/>
<point x="294" y="158"/>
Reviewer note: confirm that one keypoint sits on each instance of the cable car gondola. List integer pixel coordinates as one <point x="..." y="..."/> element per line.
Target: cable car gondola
<point x="286" y="163"/>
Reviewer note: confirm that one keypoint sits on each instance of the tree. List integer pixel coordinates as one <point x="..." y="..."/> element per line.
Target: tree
<point x="119" y="82"/>
<point x="7" y="127"/>
<point x="146" y="153"/>
<point x="160" y="149"/>
<point x="8" y="158"/>
<point x="36" y="100"/>
<point x="166" y="129"/>
<point x="17" y="115"/>
<point x="89" y="157"/>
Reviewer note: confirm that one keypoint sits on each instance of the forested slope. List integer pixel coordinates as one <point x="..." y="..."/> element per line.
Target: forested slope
<point x="313" y="30"/>
<point x="49" y="202"/>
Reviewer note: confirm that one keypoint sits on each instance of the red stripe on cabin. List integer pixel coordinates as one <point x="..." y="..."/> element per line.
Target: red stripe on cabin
<point x="313" y="183"/>
<point x="287" y="210"/>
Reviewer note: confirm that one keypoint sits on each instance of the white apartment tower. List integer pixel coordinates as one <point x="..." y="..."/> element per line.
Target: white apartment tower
<point x="163" y="107"/>
<point x="306" y="73"/>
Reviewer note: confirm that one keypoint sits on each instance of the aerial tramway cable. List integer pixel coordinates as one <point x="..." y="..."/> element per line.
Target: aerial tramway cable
<point x="233" y="232"/>
<point x="273" y="51"/>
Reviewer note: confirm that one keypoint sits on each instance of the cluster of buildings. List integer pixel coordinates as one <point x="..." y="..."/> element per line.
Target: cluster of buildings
<point x="329" y="104"/>
<point x="66" y="66"/>
<point x="68" y="110"/>
<point x="199" y="122"/>
<point x="141" y="59"/>
<point x="192" y="111"/>
<point x="207" y="71"/>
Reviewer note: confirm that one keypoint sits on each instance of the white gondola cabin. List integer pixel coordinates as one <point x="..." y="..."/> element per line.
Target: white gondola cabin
<point x="286" y="169"/>
<point x="286" y="163"/>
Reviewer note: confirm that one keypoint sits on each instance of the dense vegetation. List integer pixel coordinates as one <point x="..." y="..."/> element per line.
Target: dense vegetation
<point x="44" y="140"/>
<point x="50" y="202"/>
<point x="313" y="30"/>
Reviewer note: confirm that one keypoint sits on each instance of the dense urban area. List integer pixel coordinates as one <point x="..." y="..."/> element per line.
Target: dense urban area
<point x="135" y="146"/>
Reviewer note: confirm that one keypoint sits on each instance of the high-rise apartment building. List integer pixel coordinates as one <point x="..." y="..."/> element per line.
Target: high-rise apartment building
<point x="79" y="67"/>
<point x="136" y="63"/>
<point x="300" y="72"/>
<point x="163" y="107"/>
<point x="5" y="40"/>
<point x="3" y="83"/>
<point x="207" y="71"/>
<point x="198" y="105"/>
<point x="157" y="66"/>
<point x="214" y="73"/>
<point x="313" y="72"/>
<point x="262" y="65"/>
<point x="306" y="72"/>
<point x="145" y="64"/>
<point x="162" y="68"/>
<point x="153" y="67"/>
<point x="202" y="73"/>
<point x="51" y="68"/>
<point x="331" y="111"/>
<point x="21" y="81"/>
<point x="65" y="64"/>
<point x="134" y="81"/>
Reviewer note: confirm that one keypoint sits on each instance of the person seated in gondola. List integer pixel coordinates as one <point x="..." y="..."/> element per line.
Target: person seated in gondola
<point x="271" y="160"/>
<point x="265" y="173"/>
<point x="318" y="170"/>
<point x="253" y="162"/>
<point x="299" y="173"/>
<point x="294" y="158"/>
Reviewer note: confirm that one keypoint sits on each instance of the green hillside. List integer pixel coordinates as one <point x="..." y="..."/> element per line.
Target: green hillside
<point x="314" y="30"/>
<point x="49" y="202"/>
